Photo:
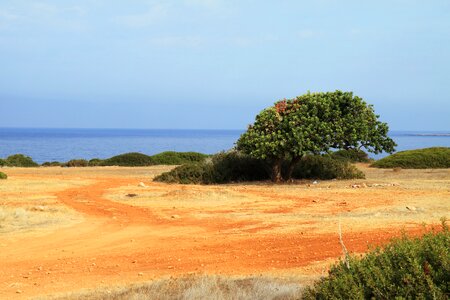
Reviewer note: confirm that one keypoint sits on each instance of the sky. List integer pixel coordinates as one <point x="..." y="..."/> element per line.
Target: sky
<point x="214" y="64"/>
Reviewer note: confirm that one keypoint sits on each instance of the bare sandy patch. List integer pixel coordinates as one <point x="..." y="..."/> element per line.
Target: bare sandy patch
<point x="133" y="230"/>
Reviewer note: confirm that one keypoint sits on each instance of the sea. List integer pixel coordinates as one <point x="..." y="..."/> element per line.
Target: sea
<point x="44" y="144"/>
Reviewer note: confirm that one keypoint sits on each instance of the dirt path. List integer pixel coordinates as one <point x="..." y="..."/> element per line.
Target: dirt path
<point x="119" y="243"/>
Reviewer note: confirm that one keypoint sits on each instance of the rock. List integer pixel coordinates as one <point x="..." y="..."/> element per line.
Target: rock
<point x="411" y="208"/>
<point x="19" y="292"/>
<point x="364" y="185"/>
<point x="38" y="208"/>
<point x="132" y="195"/>
<point x="315" y="182"/>
<point x="175" y="216"/>
<point x="140" y="274"/>
<point x="141" y="184"/>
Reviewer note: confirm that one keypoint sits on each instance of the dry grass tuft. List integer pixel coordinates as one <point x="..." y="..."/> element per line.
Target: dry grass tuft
<point x="199" y="287"/>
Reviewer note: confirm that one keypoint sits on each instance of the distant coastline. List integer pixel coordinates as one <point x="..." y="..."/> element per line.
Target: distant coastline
<point x="429" y="134"/>
<point x="60" y="144"/>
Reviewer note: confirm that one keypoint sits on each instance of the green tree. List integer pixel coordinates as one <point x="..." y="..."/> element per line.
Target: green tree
<point x="312" y="124"/>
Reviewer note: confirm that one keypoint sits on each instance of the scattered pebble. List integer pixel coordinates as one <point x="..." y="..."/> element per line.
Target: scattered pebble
<point x="411" y="208"/>
<point x="141" y="184"/>
<point x="175" y="216"/>
<point x="132" y="195"/>
<point x="140" y="274"/>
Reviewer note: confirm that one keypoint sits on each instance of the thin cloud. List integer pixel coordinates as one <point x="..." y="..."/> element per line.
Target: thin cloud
<point x="205" y="3"/>
<point x="177" y="41"/>
<point x="155" y="13"/>
<point x="307" y="34"/>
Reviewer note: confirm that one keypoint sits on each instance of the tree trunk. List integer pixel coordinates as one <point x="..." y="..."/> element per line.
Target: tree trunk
<point x="291" y="167"/>
<point x="276" y="171"/>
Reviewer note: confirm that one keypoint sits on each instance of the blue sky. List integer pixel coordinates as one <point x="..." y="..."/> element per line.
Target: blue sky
<point x="216" y="63"/>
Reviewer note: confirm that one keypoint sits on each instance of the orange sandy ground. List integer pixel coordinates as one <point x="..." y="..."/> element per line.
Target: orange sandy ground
<point x="171" y="230"/>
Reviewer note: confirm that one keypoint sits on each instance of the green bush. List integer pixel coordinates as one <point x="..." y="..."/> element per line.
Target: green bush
<point x="177" y="158"/>
<point x="236" y="167"/>
<point x="77" y="163"/>
<point x="95" y="162"/>
<point x="325" y="167"/>
<point x="436" y="157"/>
<point x="2" y="162"/>
<point x="52" y="164"/>
<point x="194" y="173"/>
<point x="133" y="159"/>
<point x="408" y="268"/>
<point x="3" y="175"/>
<point x="352" y="155"/>
<point x="20" y="160"/>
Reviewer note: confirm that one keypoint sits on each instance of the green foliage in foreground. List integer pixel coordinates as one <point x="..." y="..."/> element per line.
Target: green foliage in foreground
<point x="132" y="159"/>
<point x="351" y="155"/>
<point x="237" y="167"/>
<point x="435" y="157"/>
<point x="3" y="175"/>
<point x="20" y="160"/>
<point x="178" y="158"/>
<point x="408" y="268"/>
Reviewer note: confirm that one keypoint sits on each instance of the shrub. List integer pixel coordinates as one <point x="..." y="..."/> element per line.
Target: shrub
<point x="436" y="157"/>
<point x="177" y="158"/>
<point x="2" y="162"/>
<point x="352" y="155"/>
<point x="77" y="163"/>
<point x="129" y="159"/>
<point x="95" y="162"/>
<point x="52" y="164"/>
<point x="236" y="167"/>
<point x="325" y="167"/>
<point x="193" y="173"/>
<point x="407" y="268"/>
<point x="133" y="159"/>
<point x="20" y="160"/>
<point x="3" y="175"/>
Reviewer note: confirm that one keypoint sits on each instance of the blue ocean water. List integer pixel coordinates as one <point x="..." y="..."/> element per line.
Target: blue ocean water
<point x="65" y="144"/>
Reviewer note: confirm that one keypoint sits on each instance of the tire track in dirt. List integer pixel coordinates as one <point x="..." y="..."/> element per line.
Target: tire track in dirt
<point x="89" y="200"/>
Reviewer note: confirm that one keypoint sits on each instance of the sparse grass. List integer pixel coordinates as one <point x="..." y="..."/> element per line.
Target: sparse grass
<point x="3" y="175"/>
<point x="199" y="287"/>
<point x="16" y="219"/>
<point x="408" y="268"/>
<point x="427" y="158"/>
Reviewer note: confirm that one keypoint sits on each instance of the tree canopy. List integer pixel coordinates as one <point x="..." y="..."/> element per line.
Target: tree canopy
<point x="313" y="123"/>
